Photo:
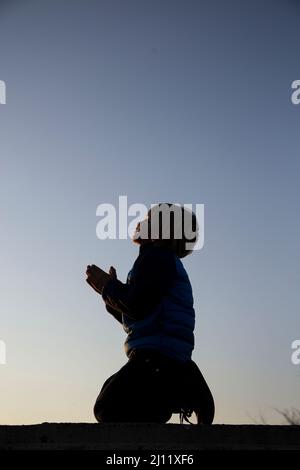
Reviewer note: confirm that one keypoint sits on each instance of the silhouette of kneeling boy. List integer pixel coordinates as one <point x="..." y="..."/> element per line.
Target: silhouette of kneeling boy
<point x="155" y="307"/>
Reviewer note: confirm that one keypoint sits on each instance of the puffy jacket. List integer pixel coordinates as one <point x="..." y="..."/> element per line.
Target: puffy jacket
<point x="155" y="306"/>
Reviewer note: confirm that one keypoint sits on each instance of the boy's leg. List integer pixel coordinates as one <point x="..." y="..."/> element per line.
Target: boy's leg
<point x="138" y="392"/>
<point x="196" y="394"/>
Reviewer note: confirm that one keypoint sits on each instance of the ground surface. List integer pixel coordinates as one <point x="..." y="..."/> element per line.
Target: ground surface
<point x="148" y="437"/>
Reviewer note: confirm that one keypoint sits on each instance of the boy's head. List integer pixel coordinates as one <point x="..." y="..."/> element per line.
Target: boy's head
<point x="171" y="226"/>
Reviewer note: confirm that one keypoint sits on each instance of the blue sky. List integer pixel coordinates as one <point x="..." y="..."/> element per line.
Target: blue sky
<point x="184" y="101"/>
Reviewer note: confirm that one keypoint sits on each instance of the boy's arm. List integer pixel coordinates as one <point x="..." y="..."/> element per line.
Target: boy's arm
<point x="115" y="313"/>
<point x="153" y="276"/>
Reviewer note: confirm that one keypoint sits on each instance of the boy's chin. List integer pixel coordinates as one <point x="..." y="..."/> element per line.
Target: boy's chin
<point x="141" y="241"/>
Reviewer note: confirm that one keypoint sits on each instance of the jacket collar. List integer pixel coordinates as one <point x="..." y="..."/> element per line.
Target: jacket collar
<point x="144" y="247"/>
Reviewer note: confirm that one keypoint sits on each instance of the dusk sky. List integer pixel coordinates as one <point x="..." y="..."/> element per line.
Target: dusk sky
<point x="162" y="101"/>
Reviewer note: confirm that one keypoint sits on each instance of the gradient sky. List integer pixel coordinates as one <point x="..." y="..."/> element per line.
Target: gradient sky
<point x="183" y="101"/>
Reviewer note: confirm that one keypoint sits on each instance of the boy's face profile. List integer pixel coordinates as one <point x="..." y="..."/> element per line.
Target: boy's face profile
<point x="142" y="231"/>
<point x="148" y="230"/>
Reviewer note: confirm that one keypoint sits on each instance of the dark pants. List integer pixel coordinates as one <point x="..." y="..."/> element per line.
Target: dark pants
<point x="143" y="390"/>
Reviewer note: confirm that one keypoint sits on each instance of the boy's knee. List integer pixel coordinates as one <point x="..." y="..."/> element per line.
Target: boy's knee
<point x="101" y="414"/>
<point x="97" y="412"/>
<point x="106" y="413"/>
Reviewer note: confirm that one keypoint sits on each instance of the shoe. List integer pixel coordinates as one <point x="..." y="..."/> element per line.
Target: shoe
<point x="195" y="397"/>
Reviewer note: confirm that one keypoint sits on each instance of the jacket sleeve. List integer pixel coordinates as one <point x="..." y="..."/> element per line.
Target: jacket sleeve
<point x="153" y="275"/>
<point x="115" y="313"/>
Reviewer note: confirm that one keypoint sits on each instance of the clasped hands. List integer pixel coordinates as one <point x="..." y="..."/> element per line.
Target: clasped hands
<point x="97" y="278"/>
